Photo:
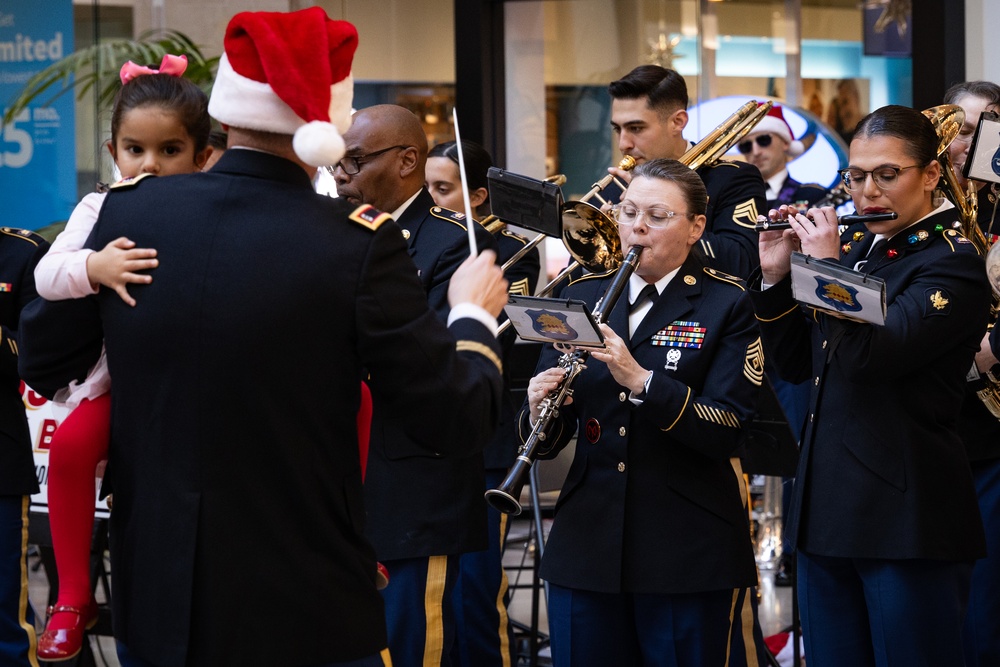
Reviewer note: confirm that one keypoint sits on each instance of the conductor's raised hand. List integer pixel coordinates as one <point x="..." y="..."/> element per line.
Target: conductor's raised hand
<point x="479" y="281"/>
<point x="115" y="266"/>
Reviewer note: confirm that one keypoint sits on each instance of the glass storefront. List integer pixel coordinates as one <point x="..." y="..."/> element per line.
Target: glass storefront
<point x="559" y="56"/>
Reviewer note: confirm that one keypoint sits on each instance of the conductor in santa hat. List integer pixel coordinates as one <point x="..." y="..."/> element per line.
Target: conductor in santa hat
<point x="237" y="536"/>
<point x="770" y="147"/>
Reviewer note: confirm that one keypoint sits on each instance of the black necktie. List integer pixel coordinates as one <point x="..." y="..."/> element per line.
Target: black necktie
<point x="647" y="292"/>
<point x="873" y="254"/>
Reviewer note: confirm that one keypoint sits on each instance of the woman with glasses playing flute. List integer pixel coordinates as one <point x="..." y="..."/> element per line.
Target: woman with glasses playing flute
<point x="884" y="514"/>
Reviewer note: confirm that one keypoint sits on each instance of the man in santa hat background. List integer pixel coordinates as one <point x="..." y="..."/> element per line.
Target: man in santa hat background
<point x="770" y="147"/>
<point x="238" y="531"/>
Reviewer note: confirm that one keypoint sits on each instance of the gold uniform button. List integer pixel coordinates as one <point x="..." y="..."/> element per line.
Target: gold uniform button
<point x="622" y="397"/>
<point x="812" y="418"/>
<point x="621" y="431"/>
<point x="816" y="381"/>
<point x="621" y="466"/>
<point x="406" y="234"/>
<point x="824" y="345"/>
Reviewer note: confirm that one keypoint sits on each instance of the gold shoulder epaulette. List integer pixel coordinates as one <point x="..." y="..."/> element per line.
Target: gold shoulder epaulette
<point x="454" y="217"/>
<point x="956" y="238"/>
<point x="591" y="276"/>
<point x="724" y="277"/>
<point x="514" y="235"/>
<point x="23" y="234"/>
<point x="723" y="163"/>
<point x="493" y="224"/>
<point x="127" y="183"/>
<point x="368" y="216"/>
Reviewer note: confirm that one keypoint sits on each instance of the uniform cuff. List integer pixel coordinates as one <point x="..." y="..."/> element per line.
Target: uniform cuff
<point x="472" y="311"/>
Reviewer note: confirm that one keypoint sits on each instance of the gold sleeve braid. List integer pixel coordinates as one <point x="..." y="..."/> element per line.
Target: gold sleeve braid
<point x="716" y="416"/>
<point x="687" y="399"/>
<point x="479" y="348"/>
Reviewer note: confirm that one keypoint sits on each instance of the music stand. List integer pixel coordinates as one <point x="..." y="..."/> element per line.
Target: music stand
<point x="526" y="202"/>
<point x="770" y="448"/>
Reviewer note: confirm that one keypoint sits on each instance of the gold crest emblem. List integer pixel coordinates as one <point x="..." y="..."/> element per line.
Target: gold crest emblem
<point x="835" y="292"/>
<point x="550" y="324"/>
<point x="939" y="301"/>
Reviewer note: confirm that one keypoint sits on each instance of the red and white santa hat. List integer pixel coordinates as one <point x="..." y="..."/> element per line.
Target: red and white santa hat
<point x="289" y="73"/>
<point x="774" y="122"/>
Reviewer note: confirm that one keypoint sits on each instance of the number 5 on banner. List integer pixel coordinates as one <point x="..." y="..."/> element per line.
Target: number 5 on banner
<point x="13" y="135"/>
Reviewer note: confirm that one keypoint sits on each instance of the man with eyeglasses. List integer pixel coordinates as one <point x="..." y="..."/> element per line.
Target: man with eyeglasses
<point x="384" y="167"/>
<point x="648" y="117"/>
<point x="649" y="560"/>
<point x="769" y="147"/>
<point x="424" y="510"/>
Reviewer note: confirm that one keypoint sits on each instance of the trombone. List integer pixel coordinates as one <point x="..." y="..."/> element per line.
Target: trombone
<point x="591" y="236"/>
<point x="716" y="143"/>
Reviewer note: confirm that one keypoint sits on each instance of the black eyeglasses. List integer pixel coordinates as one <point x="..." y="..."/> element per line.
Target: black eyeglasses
<point x="351" y="164"/>
<point x="763" y="140"/>
<point x="886" y="177"/>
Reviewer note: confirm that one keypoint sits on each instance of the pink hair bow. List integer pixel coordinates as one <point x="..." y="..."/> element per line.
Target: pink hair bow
<point x="172" y="65"/>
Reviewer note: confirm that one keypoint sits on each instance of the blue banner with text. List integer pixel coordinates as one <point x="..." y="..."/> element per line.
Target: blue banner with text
<point x="37" y="149"/>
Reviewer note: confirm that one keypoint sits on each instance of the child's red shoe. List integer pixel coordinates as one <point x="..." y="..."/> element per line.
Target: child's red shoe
<point x="63" y="635"/>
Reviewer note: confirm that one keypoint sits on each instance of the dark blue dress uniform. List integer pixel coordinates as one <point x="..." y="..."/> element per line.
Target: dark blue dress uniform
<point x="20" y="251"/>
<point x="239" y="510"/>
<point x="793" y="192"/>
<point x="884" y="507"/>
<point x="980" y="432"/>
<point x="484" y="633"/>
<point x="651" y="517"/>
<point x="425" y="505"/>
<point x="736" y="195"/>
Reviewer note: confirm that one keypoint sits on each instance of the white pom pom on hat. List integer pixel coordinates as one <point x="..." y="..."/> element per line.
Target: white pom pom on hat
<point x="289" y="73"/>
<point x="774" y="123"/>
<point x="317" y="142"/>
